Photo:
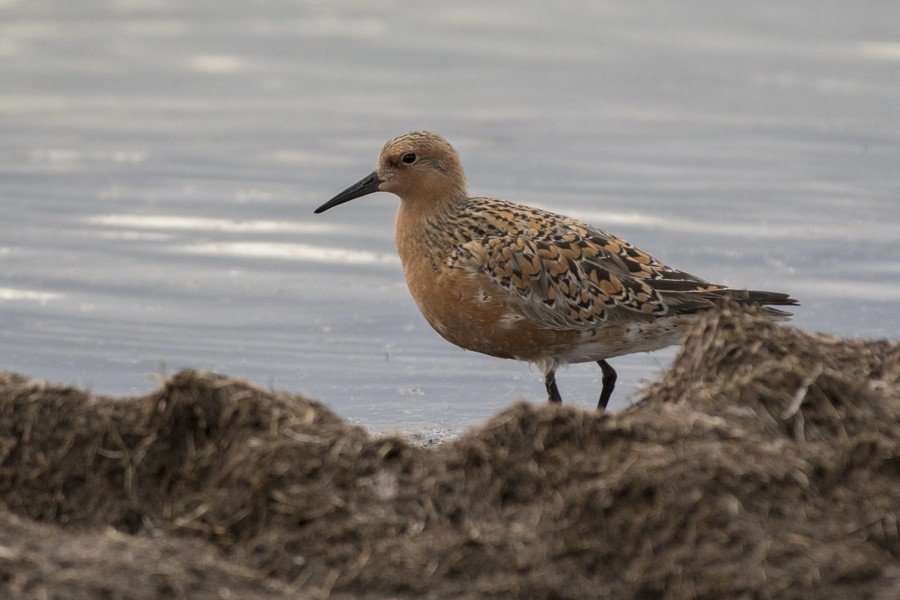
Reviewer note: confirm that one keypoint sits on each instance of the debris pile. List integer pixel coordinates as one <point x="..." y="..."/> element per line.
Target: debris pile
<point x="765" y="462"/>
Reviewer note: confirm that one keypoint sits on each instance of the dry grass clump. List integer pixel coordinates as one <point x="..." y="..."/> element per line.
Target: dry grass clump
<point x="765" y="463"/>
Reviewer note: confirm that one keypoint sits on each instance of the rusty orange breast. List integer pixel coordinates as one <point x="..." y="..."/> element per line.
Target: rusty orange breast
<point x="473" y="312"/>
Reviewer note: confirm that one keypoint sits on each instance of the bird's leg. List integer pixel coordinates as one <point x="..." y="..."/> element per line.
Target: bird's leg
<point x="609" y="383"/>
<point x="552" y="390"/>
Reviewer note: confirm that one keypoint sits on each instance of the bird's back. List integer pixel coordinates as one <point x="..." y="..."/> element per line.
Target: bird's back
<point x="566" y="274"/>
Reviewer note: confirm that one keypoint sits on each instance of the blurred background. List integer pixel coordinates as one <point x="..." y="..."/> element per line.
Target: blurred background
<point x="160" y="162"/>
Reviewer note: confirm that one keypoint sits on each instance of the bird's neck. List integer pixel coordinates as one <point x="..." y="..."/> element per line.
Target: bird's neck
<point x="422" y="220"/>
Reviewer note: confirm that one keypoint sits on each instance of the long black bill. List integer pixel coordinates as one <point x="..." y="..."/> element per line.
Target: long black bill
<point x="365" y="186"/>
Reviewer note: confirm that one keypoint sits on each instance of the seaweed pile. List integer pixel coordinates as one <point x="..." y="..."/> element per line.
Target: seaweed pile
<point x="764" y="463"/>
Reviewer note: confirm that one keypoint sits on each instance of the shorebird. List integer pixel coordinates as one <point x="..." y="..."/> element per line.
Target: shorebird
<point x="518" y="282"/>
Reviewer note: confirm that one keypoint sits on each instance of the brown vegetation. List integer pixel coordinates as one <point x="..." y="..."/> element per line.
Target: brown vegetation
<point x="765" y="463"/>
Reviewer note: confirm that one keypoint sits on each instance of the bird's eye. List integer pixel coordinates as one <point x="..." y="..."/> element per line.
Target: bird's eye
<point x="408" y="158"/>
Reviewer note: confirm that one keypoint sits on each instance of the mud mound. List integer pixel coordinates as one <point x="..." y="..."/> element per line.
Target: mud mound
<point x="766" y="463"/>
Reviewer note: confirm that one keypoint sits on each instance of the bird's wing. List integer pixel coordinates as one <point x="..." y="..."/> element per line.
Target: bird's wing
<point x="568" y="275"/>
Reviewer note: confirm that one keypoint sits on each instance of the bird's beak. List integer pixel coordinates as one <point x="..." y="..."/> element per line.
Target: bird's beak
<point x="365" y="186"/>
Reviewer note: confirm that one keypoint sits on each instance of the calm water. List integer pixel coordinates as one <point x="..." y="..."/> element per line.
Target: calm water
<point x="160" y="162"/>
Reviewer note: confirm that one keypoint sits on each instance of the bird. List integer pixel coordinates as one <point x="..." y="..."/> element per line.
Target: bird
<point x="517" y="282"/>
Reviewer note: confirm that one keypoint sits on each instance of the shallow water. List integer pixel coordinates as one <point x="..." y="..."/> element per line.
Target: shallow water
<point x="160" y="164"/>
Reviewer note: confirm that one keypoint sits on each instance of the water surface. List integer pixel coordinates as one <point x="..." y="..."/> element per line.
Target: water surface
<point x="161" y="160"/>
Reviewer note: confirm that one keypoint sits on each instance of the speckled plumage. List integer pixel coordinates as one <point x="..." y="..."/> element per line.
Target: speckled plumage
<point x="518" y="282"/>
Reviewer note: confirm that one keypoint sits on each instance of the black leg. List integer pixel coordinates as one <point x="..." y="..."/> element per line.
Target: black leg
<point x="552" y="390"/>
<point x="609" y="383"/>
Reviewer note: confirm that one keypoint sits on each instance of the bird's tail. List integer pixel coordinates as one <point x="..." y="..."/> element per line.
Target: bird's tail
<point x="766" y="300"/>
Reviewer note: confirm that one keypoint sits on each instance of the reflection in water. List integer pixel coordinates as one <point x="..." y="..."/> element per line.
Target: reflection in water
<point x="208" y="224"/>
<point x="28" y="295"/>
<point x="289" y="251"/>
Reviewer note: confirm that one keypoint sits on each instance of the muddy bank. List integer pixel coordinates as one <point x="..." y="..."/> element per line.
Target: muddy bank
<point x="765" y="463"/>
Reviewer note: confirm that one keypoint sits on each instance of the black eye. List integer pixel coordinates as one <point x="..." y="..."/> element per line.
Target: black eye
<point x="409" y="158"/>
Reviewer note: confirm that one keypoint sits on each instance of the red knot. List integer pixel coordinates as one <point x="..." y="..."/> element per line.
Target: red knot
<point x="517" y="282"/>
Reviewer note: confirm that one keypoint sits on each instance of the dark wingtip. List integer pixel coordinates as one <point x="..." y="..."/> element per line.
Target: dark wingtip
<point x="771" y="298"/>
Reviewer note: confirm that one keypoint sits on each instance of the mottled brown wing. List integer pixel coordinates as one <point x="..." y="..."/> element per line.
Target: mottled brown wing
<point x="568" y="275"/>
